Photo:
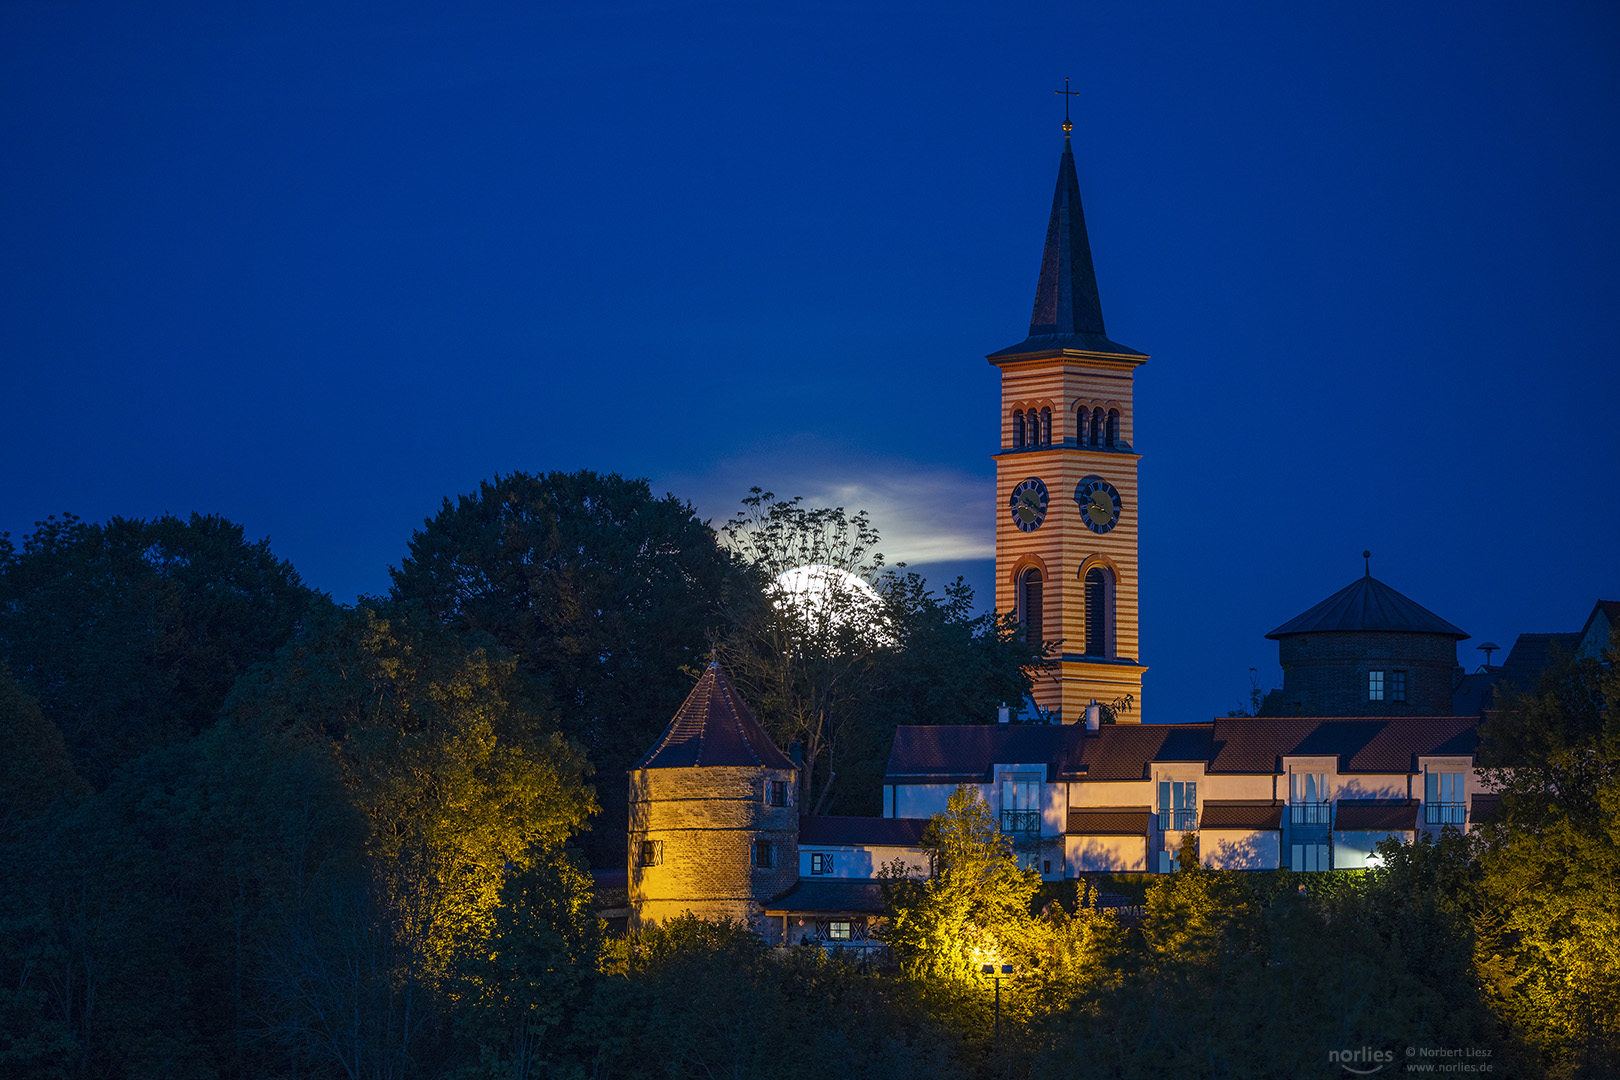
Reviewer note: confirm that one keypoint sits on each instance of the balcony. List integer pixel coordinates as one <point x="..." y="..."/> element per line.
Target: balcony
<point x="1311" y="813"/>
<point x="1178" y="819"/>
<point x="1021" y="821"/>
<point x="1443" y="813"/>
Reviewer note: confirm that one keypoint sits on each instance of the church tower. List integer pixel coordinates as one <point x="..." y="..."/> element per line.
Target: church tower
<point x="1066" y="486"/>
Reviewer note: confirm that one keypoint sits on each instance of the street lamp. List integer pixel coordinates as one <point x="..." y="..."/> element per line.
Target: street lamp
<point x="996" y="977"/>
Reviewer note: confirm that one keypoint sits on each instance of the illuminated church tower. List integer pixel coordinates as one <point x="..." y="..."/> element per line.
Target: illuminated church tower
<point x="1066" y="491"/>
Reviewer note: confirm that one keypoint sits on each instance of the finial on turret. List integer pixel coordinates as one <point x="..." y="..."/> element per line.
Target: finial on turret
<point x="1368" y="556"/>
<point x="1068" y="126"/>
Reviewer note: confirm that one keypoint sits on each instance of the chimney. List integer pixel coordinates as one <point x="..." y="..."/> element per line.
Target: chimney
<point x="1093" y="716"/>
<point x="1004" y="715"/>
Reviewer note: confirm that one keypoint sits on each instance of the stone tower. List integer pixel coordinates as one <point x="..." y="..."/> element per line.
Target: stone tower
<point x="713" y="825"/>
<point x="1365" y="651"/>
<point x="1066" y="491"/>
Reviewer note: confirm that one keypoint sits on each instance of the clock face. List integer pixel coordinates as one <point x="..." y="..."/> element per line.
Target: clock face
<point x="1099" y="504"/>
<point x="1029" y="504"/>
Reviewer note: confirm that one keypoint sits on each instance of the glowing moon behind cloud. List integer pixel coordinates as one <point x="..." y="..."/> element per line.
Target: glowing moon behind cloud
<point x="829" y="592"/>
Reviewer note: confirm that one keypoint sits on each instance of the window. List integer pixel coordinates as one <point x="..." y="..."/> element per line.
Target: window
<point x="839" y="930"/>
<point x="1443" y="797"/>
<point x="651" y="853"/>
<point x="1113" y="427"/>
<point x="1021" y="803"/>
<point x="1096" y="427"/>
<point x="1018" y="428"/>
<point x="1096" y="613"/>
<point x="776" y="792"/>
<point x="1029" y="606"/>
<point x="1311" y="858"/>
<point x="821" y="862"/>
<point x="1397" y="686"/>
<point x="1178" y="804"/>
<point x="1375" y="686"/>
<point x="1308" y="793"/>
<point x="1046" y="427"/>
<point x="763" y="854"/>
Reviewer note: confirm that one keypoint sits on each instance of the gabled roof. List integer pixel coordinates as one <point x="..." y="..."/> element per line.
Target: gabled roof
<point x="1376" y="815"/>
<point x="1241" y="814"/>
<point x="1534" y="653"/>
<point x="1368" y="604"/>
<point x="1109" y="821"/>
<point x="965" y="752"/>
<point x="862" y="831"/>
<point x="1068" y="311"/>
<point x="829" y="898"/>
<point x="1248" y="744"/>
<point x="713" y="727"/>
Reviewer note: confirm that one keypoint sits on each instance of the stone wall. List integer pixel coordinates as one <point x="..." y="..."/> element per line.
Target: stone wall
<point x="1326" y="674"/>
<point x="705" y="821"/>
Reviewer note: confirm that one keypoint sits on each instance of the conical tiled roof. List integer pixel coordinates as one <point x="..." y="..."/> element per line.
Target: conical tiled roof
<point x="1068" y="311"/>
<point x="713" y="727"/>
<point x="1368" y="604"/>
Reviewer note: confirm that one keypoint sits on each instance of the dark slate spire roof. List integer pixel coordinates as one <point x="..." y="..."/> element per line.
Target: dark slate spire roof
<point x="1068" y="312"/>
<point x="1368" y="604"/>
<point x="713" y="727"/>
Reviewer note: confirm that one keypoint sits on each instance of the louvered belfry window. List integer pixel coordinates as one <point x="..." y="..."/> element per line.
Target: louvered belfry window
<point x="1029" y="606"/>
<point x="1096" y="620"/>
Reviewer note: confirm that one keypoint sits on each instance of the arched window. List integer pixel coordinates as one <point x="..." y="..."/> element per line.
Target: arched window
<point x="1096" y="613"/>
<point x="1046" y="427"/>
<point x="1096" y="427"/>
<point x="1029" y="606"/>
<point x="1113" y="427"/>
<point x="1018" y="428"/>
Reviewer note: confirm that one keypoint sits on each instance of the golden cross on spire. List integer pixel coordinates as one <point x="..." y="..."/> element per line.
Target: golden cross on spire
<point x="1067" y="94"/>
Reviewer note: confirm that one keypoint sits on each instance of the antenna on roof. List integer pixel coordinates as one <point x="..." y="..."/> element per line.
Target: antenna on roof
<point x="1368" y="556"/>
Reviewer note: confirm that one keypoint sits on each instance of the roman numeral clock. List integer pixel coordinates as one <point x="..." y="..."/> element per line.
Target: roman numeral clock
<point x="1066" y="477"/>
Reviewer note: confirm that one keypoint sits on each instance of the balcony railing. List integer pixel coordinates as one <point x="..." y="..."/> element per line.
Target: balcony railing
<point x="1443" y="813"/>
<point x="1311" y="813"/>
<point x="1178" y="819"/>
<point x="1020" y="821"/>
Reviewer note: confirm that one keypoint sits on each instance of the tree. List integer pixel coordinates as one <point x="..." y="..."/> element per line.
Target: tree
<point x="1548" y="921"/>
<point x="604" y="593"/>
<point x="131" y="633"/>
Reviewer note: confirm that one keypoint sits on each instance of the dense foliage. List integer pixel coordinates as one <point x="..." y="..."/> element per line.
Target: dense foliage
<point x="245" y="832"/>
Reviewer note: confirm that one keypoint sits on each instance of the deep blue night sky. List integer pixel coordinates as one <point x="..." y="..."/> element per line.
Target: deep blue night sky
<point x="315" y="267"/>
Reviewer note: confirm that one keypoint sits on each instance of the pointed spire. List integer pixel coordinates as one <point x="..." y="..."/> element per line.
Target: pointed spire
<point x="1068" y="310"/>
<point x="1066" y="300"/>
<point x="713" y="727"/>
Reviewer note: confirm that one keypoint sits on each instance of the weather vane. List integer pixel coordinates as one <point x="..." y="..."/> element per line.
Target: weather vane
<point x="1067" y="94"/>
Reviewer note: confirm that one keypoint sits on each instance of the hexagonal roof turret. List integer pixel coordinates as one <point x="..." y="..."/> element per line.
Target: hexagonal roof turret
<point x="713" y="727"/>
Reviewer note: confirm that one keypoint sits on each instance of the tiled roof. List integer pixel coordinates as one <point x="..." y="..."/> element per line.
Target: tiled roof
<point x="965" y="752"/>
<point x="1368" y="604"/>
<point x="1485" y="808"/>
<point x="1376" y="815"/>
<point x="1241" y="814"/>
<point x="870" y="831"/>
<point x="1109" y="821"/>
<point x="1250" y="744"/>
<point x="713" y="727"/>
<point x="855" y="897"/>
<point x="1534" y="653"/>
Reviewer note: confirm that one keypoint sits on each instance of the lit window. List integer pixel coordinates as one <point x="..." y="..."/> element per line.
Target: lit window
<point x="839" y="930"/>
<point x="762" y="854"/>
<point x="1375" y="686"/>
<point x="1018" y="428"/>
<point x="776" y="792"/>
<point x="1178" y="804"/>
<point x="821" y="863"/>
<point x="651" y="853"/>
<point x="1397" y="686"/>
